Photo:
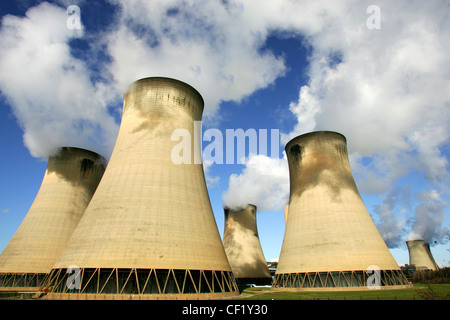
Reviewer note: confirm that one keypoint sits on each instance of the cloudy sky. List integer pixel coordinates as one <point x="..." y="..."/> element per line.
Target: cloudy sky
<point x="376" y="71"/>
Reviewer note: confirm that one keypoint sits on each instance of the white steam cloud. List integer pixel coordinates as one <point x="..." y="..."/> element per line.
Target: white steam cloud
<point x="208" y="44"/>
<point x="392" y="227"/>
<point x="386" y="89"/>
<point x="429" y="217"/>
<point x="50" y="91"/>
<point x="264" y="183"/>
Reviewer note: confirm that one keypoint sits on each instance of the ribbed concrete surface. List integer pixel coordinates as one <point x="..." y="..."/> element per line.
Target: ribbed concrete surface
<point x="242" y="244"/>
<point x="69" y="182"/>
<point x="149" y="212"/>
<point x="328" y="227"/>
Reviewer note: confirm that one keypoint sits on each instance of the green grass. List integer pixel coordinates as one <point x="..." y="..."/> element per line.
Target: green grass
<point x="8" y="294"/>
<point x="418" y="292"/>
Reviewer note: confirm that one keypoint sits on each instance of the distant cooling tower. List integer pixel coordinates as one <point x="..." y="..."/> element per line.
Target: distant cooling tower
<point x="330" y="239"/>
<point x="69" y="182"/>
<point x="149" y="231"/>
<point x="243" y="248"/>
<point x="420" y="255"/>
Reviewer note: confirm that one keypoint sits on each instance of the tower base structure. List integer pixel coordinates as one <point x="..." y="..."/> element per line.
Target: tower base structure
<point x="21" y="281"/>
<point x="139" y="284"/>
<point x="342" y="280"/>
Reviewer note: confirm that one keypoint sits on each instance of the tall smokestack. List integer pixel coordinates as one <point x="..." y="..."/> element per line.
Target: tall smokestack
<point x="243" y="247"/>
<point x="330" y="239"/>
<point x="149" y="231"/>
<point x="69" y="182"/>
<point x="420" y="255"/>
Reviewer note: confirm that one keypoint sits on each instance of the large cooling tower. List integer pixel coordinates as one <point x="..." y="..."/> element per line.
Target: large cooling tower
<point x="420" y="255"/>
<point x="243" y="248"/>
<point x="330" y="239"/>
<point x="149" y="231"/>
<point x="69" y="182"/>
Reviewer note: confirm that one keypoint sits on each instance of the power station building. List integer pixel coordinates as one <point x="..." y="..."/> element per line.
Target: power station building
<point x="149" y="231"/>
<point x="330" y="239"/>
<point x="243" y="247"/>
<point x="420" y="255"/>
<point x="71" y="177"/>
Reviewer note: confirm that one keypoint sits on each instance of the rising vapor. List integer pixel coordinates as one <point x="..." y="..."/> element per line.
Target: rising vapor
<point x="50" y="92"/>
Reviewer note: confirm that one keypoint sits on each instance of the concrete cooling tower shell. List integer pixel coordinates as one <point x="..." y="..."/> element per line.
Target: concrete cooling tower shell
<point x="149" y="230"/>
<point x="330" y="239"/>
<point x="286" y="212"/>
<point x="420" y="255"/>
<point x="243" y="247"/>
<point x="71" y="177"/>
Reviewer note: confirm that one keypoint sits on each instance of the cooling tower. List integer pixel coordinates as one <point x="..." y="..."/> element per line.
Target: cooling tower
<point x="420" y="255"/>
<point x="69" y="182"/>
<point x="149" y="231"/>
<point x="330" y="239"/>
<point x="243" y="248"/>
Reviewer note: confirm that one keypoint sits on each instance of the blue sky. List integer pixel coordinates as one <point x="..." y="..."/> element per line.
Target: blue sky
<point x="292" y="66"/>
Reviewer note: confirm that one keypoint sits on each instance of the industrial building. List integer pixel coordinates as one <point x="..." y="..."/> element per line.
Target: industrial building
<point x="149" y="231"/>
<point x="243" y="247"/>
<point x="330" y="239"/>
<point x="71" y="177"/>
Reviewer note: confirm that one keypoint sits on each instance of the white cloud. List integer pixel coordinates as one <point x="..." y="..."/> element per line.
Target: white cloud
<point x="387" y="91"/>
<point x="264" y="182"/>
<point x="203" y="43"/>
<point x="429" y="219"/>
<point x="49" y="90"/>
<point x="392" y="220"/>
